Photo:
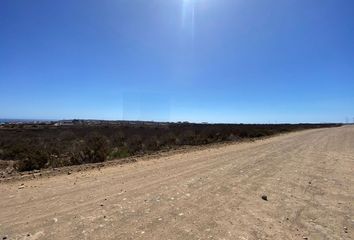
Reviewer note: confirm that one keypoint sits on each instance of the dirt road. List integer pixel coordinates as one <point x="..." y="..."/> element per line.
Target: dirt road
<point x="214" y="193"/>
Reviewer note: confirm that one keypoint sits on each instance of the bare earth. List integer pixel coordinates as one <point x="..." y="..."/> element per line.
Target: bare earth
<point x="213" y="193"/>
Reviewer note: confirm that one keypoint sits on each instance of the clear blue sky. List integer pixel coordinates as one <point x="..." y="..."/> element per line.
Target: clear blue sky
<point x="170" y="60"/>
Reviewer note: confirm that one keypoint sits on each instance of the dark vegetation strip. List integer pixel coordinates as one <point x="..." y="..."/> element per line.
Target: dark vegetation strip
<point x="37" y="146"/>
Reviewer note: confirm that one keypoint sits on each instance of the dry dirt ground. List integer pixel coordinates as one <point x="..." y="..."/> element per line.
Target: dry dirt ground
<point x="213" y="193"/>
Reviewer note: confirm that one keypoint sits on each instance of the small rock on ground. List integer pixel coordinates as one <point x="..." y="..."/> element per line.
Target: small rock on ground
<point x="264" y="197"/>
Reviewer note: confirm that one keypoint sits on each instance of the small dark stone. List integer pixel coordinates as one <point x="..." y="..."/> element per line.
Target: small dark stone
<point x="4" y="238"/>
<point x="309" y="182"/>
<point x="101" y="205"/>
<point x="264" y="197"/>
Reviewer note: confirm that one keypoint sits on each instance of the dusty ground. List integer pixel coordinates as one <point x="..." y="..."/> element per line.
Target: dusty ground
<point x="203" y="194"/>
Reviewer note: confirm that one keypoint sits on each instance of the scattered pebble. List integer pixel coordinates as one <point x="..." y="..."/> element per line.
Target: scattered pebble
<point x="264" y="197"/>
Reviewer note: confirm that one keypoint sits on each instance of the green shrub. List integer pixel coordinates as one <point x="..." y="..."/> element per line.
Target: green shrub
<point x="36" y="160"/>
<point x="95" y="149"/>
<point x="117" y="153"/>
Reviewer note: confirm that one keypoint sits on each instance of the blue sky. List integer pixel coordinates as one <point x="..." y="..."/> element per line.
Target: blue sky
<point x="260" y="61"/>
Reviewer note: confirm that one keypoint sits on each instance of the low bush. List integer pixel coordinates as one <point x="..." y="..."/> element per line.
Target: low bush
<point x="94" y="149"/>
<point x="36" y="160"/>
<point x="38" y="146"/>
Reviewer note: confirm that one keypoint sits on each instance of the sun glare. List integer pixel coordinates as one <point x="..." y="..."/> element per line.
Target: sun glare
<point x="188" y="16"/>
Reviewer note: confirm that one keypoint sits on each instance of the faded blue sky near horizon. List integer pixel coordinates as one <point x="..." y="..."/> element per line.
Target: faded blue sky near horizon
<point x="178" y="60"/>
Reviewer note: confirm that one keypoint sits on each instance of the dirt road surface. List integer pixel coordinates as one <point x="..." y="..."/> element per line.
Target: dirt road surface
<point x="215" y="193"/>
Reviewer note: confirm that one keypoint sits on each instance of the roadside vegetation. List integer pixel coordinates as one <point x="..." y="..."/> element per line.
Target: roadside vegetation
<point x="36" y="146"/>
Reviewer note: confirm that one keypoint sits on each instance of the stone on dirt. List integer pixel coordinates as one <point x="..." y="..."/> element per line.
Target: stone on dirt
<point x="264" y="197"/>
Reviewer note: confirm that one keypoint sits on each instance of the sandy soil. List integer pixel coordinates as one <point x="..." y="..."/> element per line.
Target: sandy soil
<point x="213" y="193"/>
